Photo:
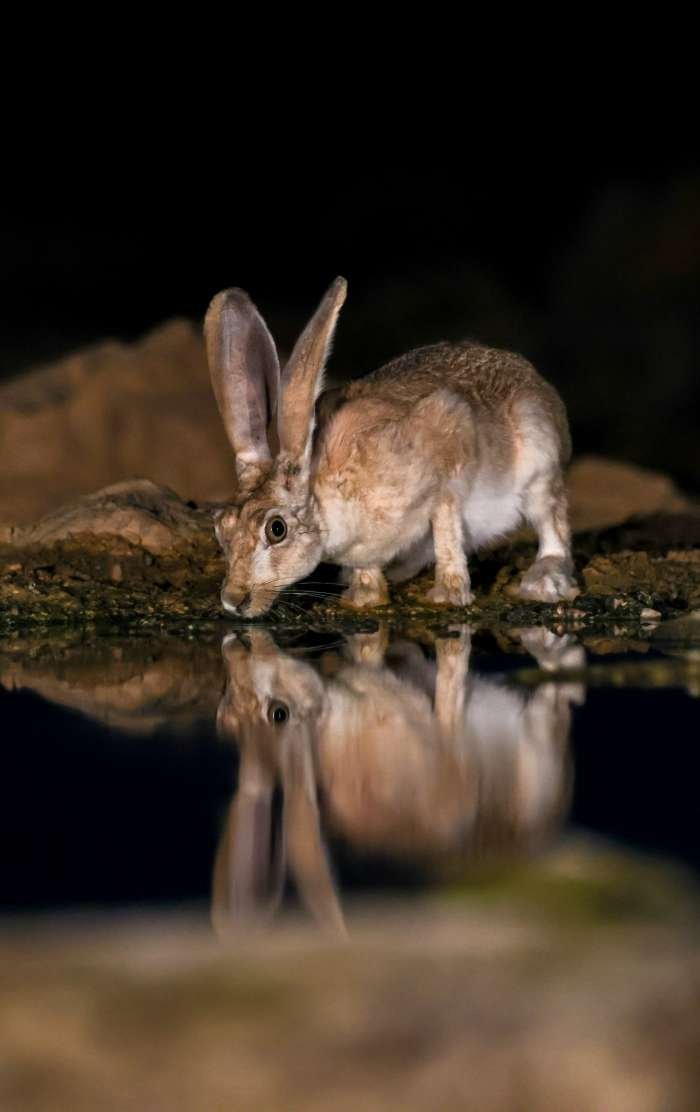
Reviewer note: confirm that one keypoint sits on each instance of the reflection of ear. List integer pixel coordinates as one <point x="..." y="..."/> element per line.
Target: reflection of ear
<point x="307" y="855"/>
<point x="245" y="373"/>
<point x="249" y="867"/>
<point x="303" y="378"/>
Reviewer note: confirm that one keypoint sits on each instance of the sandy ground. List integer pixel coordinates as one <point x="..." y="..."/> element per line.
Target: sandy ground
<point x="574" y="987"/>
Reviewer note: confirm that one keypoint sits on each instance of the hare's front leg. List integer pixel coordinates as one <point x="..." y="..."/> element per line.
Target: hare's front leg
<point x="367" y="587"/>
<point x="551" y="576"/>
<point x="452" y="586"/>
<point x="452" y="680"/>
<point x="369" y="648"/>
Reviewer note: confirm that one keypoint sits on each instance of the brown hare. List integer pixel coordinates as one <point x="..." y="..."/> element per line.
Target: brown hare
<point x="434" y="455"/>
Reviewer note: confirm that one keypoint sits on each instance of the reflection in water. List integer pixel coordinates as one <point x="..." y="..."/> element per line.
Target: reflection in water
<point x="131" y="684"/>
<point x="403" y="756"/>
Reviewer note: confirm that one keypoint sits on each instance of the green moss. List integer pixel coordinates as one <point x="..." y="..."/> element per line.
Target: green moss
<point x="583" y="889"/>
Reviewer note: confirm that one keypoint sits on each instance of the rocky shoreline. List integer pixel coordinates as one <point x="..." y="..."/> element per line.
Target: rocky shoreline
<point x="136" y="554"/>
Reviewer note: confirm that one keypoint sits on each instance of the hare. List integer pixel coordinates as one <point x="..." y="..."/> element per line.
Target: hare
<point x="411" y="758"/>
<point x="434" y="455"/>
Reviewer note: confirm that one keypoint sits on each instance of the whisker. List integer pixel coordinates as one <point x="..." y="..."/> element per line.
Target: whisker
<point x="280" y="583"/>
<point x="316" y="595"/>
<point x="292" y="607"/>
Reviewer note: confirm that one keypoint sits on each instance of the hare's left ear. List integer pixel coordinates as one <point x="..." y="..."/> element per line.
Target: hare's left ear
<point x="302" y="378"/>
<point x="306" y="851"/>
<point x="249" y="868"/>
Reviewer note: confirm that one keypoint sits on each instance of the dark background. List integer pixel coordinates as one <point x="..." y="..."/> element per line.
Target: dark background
<point x="580" y="252"/>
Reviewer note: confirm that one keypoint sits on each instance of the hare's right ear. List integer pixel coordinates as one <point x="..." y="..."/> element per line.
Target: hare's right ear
<point x="245" y="374"/>
<point x="302" y="380"/>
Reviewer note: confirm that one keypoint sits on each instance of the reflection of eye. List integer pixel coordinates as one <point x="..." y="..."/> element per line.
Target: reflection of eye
<point x="276" y="530"/>
<point x="278" y="713"/>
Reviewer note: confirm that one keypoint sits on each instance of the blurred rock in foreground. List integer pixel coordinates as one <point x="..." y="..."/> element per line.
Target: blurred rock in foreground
<point x="575" y="985"/>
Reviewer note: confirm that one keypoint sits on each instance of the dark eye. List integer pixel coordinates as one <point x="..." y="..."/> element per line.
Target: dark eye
<point x="276" y="530"/>
<point x="278" y="713"/>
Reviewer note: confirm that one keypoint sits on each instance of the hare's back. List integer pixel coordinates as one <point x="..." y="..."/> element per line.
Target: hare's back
<point x="481" y="374"/>
<point x="488" y="378"/>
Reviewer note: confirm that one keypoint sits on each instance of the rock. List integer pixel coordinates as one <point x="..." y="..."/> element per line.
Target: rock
<point x="604" y="492"/>
<point x="644" y="576"/>
<point x="140" y="512"/>
<point x="129" y="552"/>
<point x="108" y="413"/>
<point x="134" y="684"/>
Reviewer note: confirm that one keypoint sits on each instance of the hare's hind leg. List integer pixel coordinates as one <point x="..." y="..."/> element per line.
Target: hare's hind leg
<point x="452" y="585"/>
<point x="550" y="578"/>
<point x="409" y="563"/>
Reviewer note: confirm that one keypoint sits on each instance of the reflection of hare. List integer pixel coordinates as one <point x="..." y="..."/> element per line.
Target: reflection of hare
<point x="410" y="758"/>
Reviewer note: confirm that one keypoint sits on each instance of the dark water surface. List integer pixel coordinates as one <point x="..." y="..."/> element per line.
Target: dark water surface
<point x="247" y="773"/>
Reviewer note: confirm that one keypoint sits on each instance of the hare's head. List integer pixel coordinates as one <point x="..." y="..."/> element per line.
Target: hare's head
<point x="269" y="693"/>
<point x="271" y="535"/>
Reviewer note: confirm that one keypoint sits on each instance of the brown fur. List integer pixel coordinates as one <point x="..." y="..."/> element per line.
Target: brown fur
<point x="411" y="759"/>
<point x="490" y="379"/>
<point x="456" y="442"/>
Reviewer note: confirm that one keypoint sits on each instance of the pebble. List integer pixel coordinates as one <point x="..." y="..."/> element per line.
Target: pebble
<point x="648" y="615"/>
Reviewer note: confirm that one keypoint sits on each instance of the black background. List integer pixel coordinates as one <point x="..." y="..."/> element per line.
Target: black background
<point x="573" y="237"/>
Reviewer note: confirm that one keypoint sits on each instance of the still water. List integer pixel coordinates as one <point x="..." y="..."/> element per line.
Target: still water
<point x="248" y="774"/>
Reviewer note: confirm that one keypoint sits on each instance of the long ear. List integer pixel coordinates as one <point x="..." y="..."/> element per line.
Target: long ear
<point x="249" y="868"/>
<point x="245" y="374"/>
<point x="308" y="859"/>
<point x="303" y="377"/>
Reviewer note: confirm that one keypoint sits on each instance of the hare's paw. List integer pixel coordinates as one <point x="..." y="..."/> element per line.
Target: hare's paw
<point x="553" y="652"/>
<point x="458" y="645"/>
<point x="548" y="580"/>
<point x="367" y="588"/>
<point x="369" y="648"/>
<point x="449" y="590"/>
